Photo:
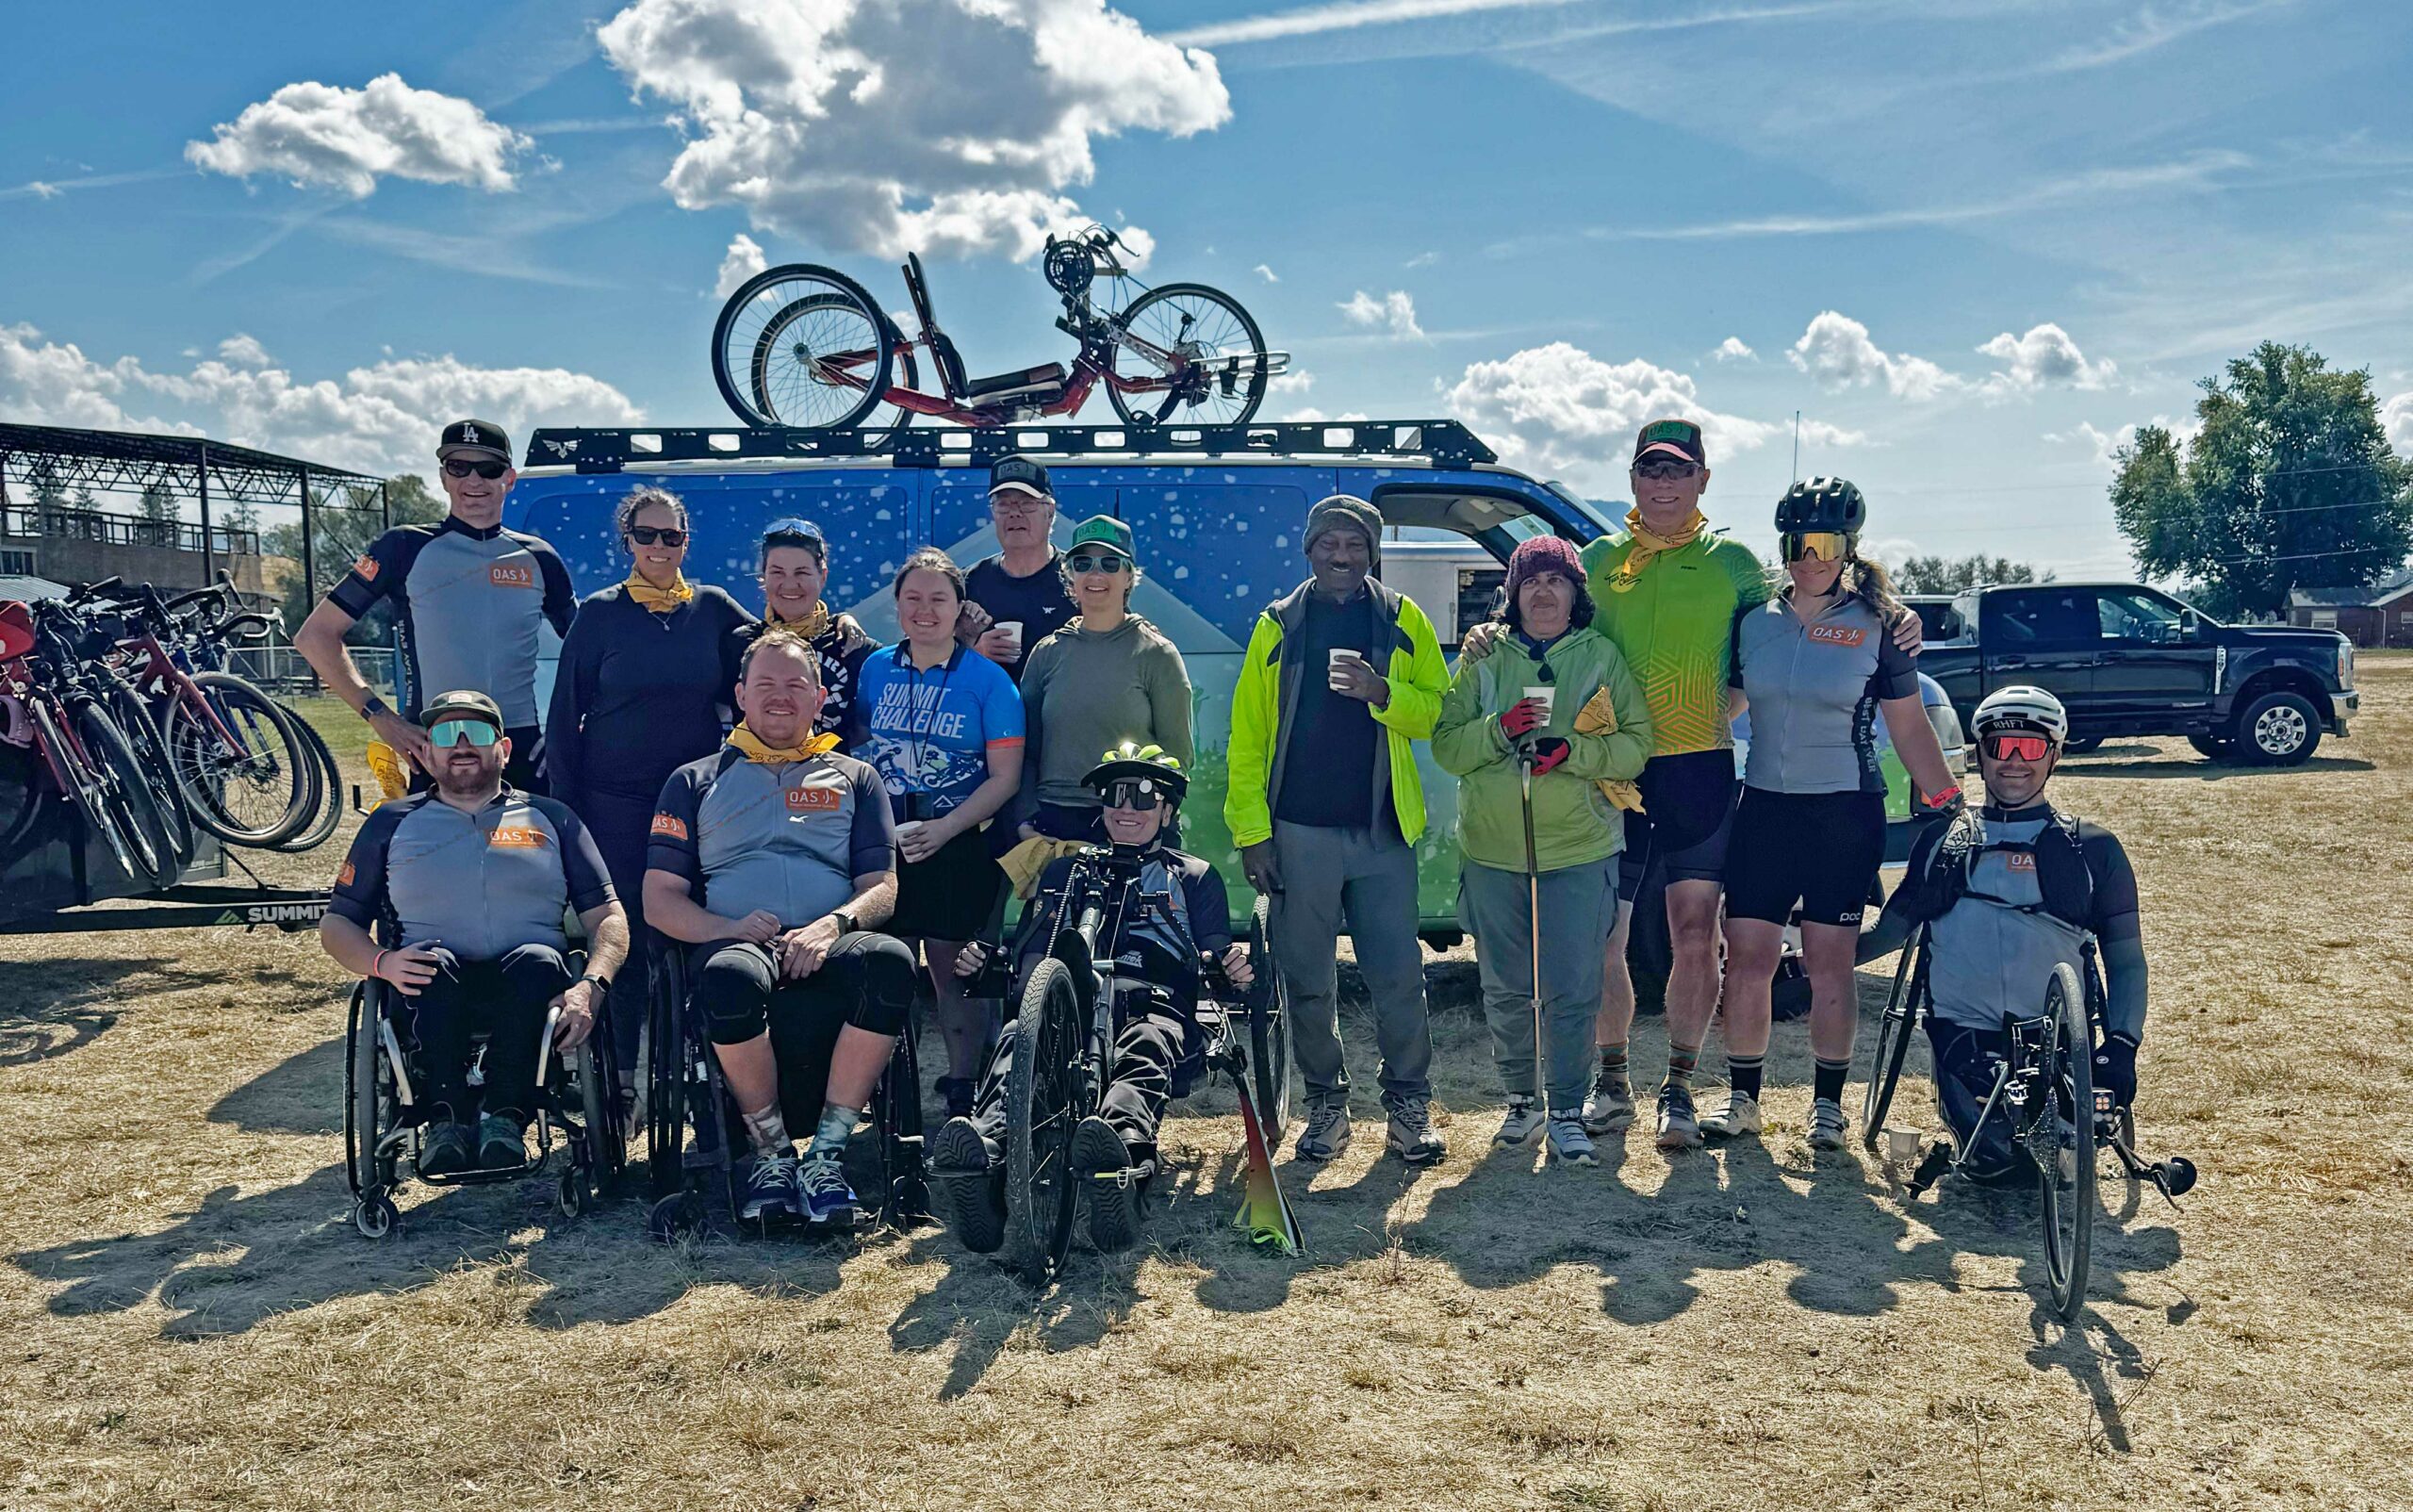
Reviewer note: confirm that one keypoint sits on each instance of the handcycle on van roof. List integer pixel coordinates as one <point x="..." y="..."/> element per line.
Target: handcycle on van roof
<point x="806" y="346"/>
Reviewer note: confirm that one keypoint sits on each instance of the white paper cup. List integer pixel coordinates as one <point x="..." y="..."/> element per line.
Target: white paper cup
<point x="907" y="828"/>
<point x="1340" y="657"/>
<point x="1013" y="630"/>
<point x="1546" y="695"/>
<point x="1901" y="1146"/>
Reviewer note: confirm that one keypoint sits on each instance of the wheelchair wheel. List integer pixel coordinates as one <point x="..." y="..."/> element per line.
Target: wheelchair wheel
<point x="604" y="1154"/>
<point x="1042" y="1109"/>
<point x="896" y="1117"/>
<point x="368" y="1098"/>
<point x="1269" y="1027"/>
<point x="2065" y="1171"/>
<point x="666" y="1100"/>
<point x="1892" y="1042"/>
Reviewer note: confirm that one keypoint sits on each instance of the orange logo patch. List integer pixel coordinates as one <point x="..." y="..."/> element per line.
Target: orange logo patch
<point x="507" y="838"/>
<point x="670" y="826"/>
<point x="1837" y="635"/>
<point x="812" y="800"/>
<point x="367" y="567"/>
<point x="343" y="874"/>
<point x="2022" y="861"/>
<point x="503" y="575"/>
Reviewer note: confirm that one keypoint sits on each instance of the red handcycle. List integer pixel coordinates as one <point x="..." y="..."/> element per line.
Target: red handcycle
<point x="807" y="347"/>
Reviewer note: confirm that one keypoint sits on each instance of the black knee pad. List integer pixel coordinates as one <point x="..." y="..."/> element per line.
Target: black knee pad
<point x="886" y="985"/>
<point x="733" y="988"/>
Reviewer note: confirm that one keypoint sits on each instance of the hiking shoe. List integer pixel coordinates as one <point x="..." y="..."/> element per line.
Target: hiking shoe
<point x="1099" y="1153"/>
<point x="1411" y="1136"/>
<point x="1522" y="1126"/>
<point x="1569" y="1143"/>
<point x="770" y="1186"/>
<point x="976" y="1199"/>
<point x="957" y="1093"/>
<point x="444" y="1150"/>
<point x="1610" y="1107"/>
<point x="1741" y="1115"/>
<point x="501" y="1144"/>
<point x="1827" y="1125"/>
<point x="1326" y="1134"/>
<point x="821" y="1189"/>
<point x="1679" y="1130"/>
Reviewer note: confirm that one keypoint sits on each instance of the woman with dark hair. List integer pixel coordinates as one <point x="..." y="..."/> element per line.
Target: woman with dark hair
<point x="1551" y="720"/>
<point x="795" y="568"/>
<point x="1817" y="664"/>
<point x="644" y="685"/>
<point x="943" y="726"/>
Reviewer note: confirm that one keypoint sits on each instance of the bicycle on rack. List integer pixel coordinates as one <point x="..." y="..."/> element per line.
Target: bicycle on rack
<point x="806" y="346"/>
<point x="49" y="705"/>
<point x="208" y="621"/>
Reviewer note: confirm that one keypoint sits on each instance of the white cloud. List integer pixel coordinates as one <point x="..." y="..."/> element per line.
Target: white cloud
<point x="1820" y="433"/>
<point x="324" y="135"/>
<point x="2105" y="444"/>
<point x="1393" y="313"/>
<point x="1836" y="351"/>
<point x="1312" y="416"/>
<point x="382" y="417"/>
<point x="946" y="127"/>
<point x="1732" y="350"/>
<point x="742" y="261"/>
<point x="1298" y="381"/>
<point x="2044" y="357"/>
<point x="2396" y="417"/>
<point x="1267" y="273"/>
<point x="1423" y="259"/>
<point x="1560" y="409"/>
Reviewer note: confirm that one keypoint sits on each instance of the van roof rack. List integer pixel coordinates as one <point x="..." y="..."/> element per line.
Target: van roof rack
<point x="1442" y="443"/>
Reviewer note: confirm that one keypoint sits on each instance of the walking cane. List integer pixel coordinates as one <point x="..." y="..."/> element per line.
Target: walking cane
<point x="1534" y="919"/>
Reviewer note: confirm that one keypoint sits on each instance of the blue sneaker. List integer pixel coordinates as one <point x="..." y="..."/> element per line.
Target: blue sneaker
<point x="822" y="1188"/>
<point x="770" y="1186"/>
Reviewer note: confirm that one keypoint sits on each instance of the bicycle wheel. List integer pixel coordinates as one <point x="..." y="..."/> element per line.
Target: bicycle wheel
<point x="2061" y="1144"/>
<point x="1198" y="352"/>
<point x="123" y="799"/>
<point x="802" y="346"/>
<point x="1042" y="1110"/>
<point x="241" y="766"/>
<point x="151" y="755"/>
<point x="1892" y="1044"/>
<point x="368" y="1101"/>
<point x="1269" y="1026"/>
<point x="326" y="809"/>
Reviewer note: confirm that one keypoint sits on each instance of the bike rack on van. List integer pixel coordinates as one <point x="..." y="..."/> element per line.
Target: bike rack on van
<point x="1440" y="443"/>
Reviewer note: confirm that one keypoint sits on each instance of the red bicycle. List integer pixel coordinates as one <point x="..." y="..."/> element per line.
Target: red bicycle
<point x="49" y="706"/>
<point x="806" y="346"/>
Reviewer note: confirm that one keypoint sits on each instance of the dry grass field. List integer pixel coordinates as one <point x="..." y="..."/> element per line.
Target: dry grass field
<point x="188" y="1319"/>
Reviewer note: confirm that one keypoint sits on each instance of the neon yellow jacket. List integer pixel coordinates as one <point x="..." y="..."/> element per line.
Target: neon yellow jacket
<point x="1406" y="655"/>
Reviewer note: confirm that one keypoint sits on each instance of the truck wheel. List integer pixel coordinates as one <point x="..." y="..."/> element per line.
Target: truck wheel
<point x="2214" y="748"/>
<point x="2278" y="730"/>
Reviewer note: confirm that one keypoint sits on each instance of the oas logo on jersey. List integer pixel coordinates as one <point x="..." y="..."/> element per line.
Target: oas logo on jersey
<point x="2021" y="860"/>
<point x="1837" y="635"/>
<point x="511" y="575"/>
<point x="812" y="800"/>
<point x="508" y="837"/>
<point x="367" y="567"/>
<point x="344" y="874"/>
<point x="669" y="826"/>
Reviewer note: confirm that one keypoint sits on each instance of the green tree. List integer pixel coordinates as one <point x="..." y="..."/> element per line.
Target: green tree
<point x="344" y="523"/>
<point x="2289" y="483"/>
<point x="1937" y="574"/>
<point x="159" y="504"/>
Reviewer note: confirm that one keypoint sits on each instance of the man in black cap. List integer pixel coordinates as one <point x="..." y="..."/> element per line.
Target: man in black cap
<point x="470" y="599"/>
<point x="1017" y="598"/>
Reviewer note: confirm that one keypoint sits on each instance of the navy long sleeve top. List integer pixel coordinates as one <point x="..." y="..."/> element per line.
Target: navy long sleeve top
<point x="639" y="694"/>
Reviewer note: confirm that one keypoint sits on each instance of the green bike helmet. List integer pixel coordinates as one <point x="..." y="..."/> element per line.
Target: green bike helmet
<point x="1821" y="504"/>
<point x="1148" y="766"/>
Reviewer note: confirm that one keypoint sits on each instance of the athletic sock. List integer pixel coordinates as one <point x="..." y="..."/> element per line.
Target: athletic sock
<point x="1613" y="1061"/>
<point x="1743" y="1073"/>
<point x="1681" y="1061"/>
<point x="837" y="1124"/>
<point x="769" y="1131"/>
<point x="1829" y="1078"/>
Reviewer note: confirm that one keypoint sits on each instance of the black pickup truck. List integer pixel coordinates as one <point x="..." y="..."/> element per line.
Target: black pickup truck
<point x="2129" y="660"/>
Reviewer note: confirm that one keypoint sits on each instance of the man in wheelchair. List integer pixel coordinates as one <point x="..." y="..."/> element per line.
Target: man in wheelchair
<point x="470" y="877"/>
<point x="773" y="860"/>
<point x="2009" y="891"/>
<point x="1179" y="934"/>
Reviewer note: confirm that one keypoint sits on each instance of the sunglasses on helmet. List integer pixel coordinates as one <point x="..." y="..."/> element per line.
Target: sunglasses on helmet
<point x="2009" y="748"/>
<point x="1824" y="546"/>
<point x="447" y="733"/>
<point x="665" y="534"/>
<point x="455" y="467"/>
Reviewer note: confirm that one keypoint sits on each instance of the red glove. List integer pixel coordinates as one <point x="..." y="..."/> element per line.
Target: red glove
<point x="1522" y="719"/>
<point x="1547" y="752"/>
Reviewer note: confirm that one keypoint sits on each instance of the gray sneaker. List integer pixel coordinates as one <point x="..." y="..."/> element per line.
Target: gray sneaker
<point x="1827" y="1126"/>
<point x="1522" y="1126"/>
<point x="1569" y="1143"/>
<point x="1411" y="1137"/>
<point x="1741" y="1115"/>
<point x="1679" y="1130"/>
<point x="1326" y="1134"/>
<point x="1610" y="1107"/>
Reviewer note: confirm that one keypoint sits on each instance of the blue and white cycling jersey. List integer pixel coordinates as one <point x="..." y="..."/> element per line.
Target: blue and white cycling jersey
<point x="931" y="731"/>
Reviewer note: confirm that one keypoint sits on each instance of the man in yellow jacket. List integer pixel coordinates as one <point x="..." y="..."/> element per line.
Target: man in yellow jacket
<point x="1322" y="798"/>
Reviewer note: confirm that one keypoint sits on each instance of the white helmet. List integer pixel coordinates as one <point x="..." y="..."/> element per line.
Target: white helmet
<point x="2022" y="708"/>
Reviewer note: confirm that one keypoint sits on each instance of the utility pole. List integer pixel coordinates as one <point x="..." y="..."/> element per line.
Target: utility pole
<point x="1796" y="445"/>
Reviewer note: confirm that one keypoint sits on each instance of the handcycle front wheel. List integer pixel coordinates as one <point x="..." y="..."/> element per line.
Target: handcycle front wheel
<point x="1220" y="362"/>
<point x="1268" y="1025"/>
<point x="1893" y="1044"/>
<point x="2064" y="1144"/>
<point x="1042" y="1109"/>
<point x="802" y="345"/>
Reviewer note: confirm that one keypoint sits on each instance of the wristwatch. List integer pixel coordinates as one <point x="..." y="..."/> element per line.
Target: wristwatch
<point x="845" y="921"/>
<point x="602" y="983"/>
<point x="372" y="706"/>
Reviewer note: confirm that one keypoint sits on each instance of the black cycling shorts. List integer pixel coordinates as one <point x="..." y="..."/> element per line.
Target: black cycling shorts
<point x="952" y="896"/>
<point x="1819" y="849"/>
<point x="1688" y="811"/>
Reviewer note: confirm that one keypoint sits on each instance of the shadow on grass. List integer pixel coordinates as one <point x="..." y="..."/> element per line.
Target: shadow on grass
<point x="301" y="1094"/>
<point x="59" y="1004"/>
<point x="2208" y="771"/>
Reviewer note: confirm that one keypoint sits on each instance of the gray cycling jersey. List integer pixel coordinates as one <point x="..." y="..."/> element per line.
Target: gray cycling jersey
<point x="468" y="608"/>
<point x="1994" y="949"/>
<point x="788" y="838"/>
<point x="1813" y="689"/>
<point x="481" y="884"/>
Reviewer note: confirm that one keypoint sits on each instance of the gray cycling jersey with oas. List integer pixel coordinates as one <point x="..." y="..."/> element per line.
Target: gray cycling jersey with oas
<point x="1993" y="950"/>
<point x="1815" y="686"/>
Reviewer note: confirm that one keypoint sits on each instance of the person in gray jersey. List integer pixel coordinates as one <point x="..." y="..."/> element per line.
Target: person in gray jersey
<point x="2009" y="892"/>
<point x="775" y="860"/>
<point x="470" y="602"/>
<point x="1815" y="664"/>
<point x="470" y="879"/>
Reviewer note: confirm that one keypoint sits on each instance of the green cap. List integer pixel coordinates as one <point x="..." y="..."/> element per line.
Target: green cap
<point x="464" y="703"/>
<point x="1104" y="530"/>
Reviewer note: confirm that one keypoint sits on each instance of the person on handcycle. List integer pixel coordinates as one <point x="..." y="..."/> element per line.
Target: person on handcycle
<point x="1179" y="931"/>
<point x="2007" y="892"/>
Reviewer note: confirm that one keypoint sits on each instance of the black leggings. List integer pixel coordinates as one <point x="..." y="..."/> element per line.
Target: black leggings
<point x="1145" y="1050"/>
<point x="1964" y="1075"/>
<point x="503" y="999"/>
<point x="866" y="980"/>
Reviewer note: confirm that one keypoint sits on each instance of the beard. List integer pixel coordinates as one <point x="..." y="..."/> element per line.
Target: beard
<point x="466" y="781"/>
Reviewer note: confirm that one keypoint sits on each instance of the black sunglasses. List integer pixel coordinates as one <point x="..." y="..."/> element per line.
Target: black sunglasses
<point x="1661" y="471"/>
<point x="664" y="535"/>
<point x="1103" y="561"/>
<point x="488" y="470"/>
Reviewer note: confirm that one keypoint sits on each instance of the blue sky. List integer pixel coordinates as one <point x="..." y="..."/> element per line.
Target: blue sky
<point x="1970" y="240"/>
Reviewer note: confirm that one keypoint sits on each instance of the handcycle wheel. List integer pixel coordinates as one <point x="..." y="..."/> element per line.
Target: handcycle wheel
<point x="1042" y="1109"/>
<point x="257" y="791"/>
<point x="151" y="756"/>
<point x="804" y="346"/>
<point x="1892" y="1044"/>
<point x="2065" y="1175"/>
<point x="1268" y="1025"/>
<point x="327" y="807"/>
<point x="1192" y="321"/>
<point x="125" y="810"/>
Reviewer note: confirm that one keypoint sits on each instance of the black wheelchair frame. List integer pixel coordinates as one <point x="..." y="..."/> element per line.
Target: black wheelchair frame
<point x="685" y="1092"/>
<point x="383" y="1128"/>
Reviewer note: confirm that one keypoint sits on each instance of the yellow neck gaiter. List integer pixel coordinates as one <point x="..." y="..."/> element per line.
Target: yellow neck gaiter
<point x="661" y="600"/>
<point x="812" y="625"/>
<point x="746" y="741"/>
<point x="1646" y="546"/>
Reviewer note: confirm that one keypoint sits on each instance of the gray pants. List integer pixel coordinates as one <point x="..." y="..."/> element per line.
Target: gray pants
<point x="1363" y="882"/>
<point x="1579" y="905"/>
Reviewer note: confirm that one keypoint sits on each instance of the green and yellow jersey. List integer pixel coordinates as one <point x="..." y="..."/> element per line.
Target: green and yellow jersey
<point x="1673" y="628"/>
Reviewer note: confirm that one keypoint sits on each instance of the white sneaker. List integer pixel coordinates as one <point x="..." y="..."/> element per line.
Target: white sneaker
<point x="1741" y="1115"/>
<point x="1522" y="1126"/>
<point x="1569" y="1143"/>
<point x="1611" y="1106"/>
<point x="1827" y="1125"/>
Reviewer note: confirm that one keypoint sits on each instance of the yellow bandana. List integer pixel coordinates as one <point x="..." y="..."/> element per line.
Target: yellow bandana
<point x="661" y="600"/>
<point x="1599" y="716"/>
<point x="1646" y="546"/>
<point x="746" y="741"/>
<point x="812" y="625"/>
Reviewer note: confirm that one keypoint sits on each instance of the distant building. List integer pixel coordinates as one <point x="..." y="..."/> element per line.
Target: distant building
<point x="2379" y="615"/>
<point x="77" y="545"/>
